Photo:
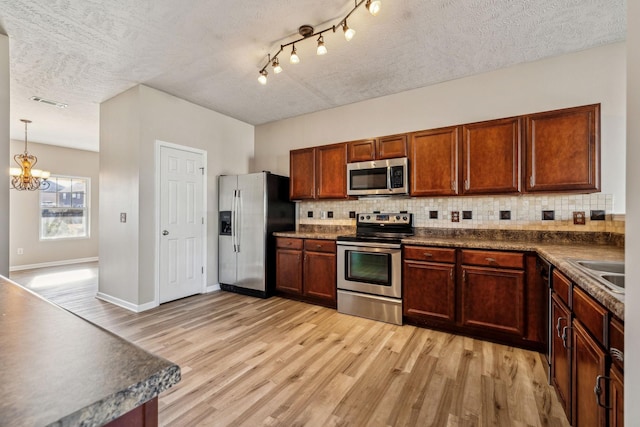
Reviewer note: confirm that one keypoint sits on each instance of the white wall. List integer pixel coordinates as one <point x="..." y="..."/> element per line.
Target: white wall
<point x="588" y="77"/>
<point x="25" y="218"/>
<point x="133" y="121"/>
<point x="632" y="252"/>
<point x="4" y="154"/>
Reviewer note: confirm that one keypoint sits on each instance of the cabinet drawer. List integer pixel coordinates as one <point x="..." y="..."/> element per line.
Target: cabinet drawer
<point x="591" y="314"/>
<point x="320" y="245"/>
<point x="425" y="253"/>
<point x="616" y="341"/>
<point x="289" y="243"/>
<point x="562" y="287"/>
<point x="493" y="259"/>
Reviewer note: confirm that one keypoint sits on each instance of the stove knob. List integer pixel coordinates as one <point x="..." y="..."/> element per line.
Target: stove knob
<point x="368" y="217"/>
<point x="361" y="217"/>
<point x="397" y="217"/>
<point x="404" y="218"/>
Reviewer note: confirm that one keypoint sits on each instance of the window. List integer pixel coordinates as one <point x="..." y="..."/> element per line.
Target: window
<point x="64" y="208"/>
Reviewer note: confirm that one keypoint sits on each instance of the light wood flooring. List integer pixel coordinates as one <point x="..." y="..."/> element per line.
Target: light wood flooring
<point x="275" y="362"/>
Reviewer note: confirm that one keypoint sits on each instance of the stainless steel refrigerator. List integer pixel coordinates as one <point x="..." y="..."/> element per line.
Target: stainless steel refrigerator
<point x="251" y="208"/>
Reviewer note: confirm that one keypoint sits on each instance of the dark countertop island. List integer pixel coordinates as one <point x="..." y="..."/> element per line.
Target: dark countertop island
<point x="58" y="369"/>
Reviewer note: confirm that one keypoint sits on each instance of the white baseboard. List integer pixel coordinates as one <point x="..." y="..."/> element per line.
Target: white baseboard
<point x="126" y="304"/>
<point x="212" y="288"/>
<point x="53" y="263"/>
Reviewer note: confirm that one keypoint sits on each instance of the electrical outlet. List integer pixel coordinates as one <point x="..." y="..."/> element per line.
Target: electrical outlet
<point x="123" y="217"/>
<point x="20" y="251"/>
<point x="455" y="216"/>
<point x="330" y="214"/>
<point x="352" y="214"/>
<point x="579" y="218"/>
<point x="309" y="214"/>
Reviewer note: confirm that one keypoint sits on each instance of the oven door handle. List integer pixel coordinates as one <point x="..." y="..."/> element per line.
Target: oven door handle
<point x="356" y="245"/>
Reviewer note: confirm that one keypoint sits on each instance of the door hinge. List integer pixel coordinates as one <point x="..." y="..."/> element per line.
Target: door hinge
<point x="202" y="220"/>
<point x="202" y="170"/>
<point x="202" y="270"/>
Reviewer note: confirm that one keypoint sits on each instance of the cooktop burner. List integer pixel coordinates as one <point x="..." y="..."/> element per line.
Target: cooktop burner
<point x="381" y="227"/>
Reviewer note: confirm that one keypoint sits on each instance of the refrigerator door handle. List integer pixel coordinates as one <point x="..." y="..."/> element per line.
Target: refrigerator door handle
<point x="233" y="220"/>
<point x="238" y="217"/>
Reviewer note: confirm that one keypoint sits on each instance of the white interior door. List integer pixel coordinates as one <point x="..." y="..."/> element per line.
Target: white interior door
<point x="181" y="223"/>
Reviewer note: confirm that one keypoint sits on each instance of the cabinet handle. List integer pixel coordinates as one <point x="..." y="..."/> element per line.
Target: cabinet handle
<point x="451" y="275"/>
<point x="428" y="254"/>
<point x="532" y="181"/>
<point x="558" y="330"/>
<point x="318" y="246"/>
<point x="466" y="184"/>
<point x="464" y="275"/>
<point x="453" y="185"/>
<point x="597" y="390"/>
<point x="490" y="260"/>
<point x="565" y="336"/>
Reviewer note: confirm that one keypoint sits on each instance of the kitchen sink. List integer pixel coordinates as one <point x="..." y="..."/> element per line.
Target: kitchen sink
<point x="608" y="273"/>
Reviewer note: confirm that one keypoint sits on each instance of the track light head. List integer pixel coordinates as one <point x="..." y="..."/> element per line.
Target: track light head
<point x="294" y="58"/>
<point x="374" y="6"/>
<point x="277" y="69"/>
<point x="348" y="32"/>
<point x="322" y="49"/>
<point x="263" y="77"/>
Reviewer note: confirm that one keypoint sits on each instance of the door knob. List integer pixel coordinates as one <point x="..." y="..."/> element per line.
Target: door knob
<point x="165" y="233"/>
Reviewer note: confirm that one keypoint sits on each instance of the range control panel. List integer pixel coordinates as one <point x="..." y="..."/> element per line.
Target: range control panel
<point x="402" y="218"/>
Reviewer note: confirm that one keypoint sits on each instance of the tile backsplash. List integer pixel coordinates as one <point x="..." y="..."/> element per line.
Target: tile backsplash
<point x="505" y="212"/>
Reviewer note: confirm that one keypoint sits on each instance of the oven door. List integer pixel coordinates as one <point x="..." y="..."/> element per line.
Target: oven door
<point x="372" y="268"/>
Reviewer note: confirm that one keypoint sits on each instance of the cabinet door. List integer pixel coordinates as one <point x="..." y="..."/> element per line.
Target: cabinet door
<point x="331" y="167"/>
<point x="433" y="162"/>
<point x="616" y="413"/>
<point x="563" y="150"/>
<point x="588" y="363"/>
<point x="429" y="291"/>
<point x="289" y="271"/>
<point x="361" y="151"/>
<point x="493" y="299"/>
<point x="491" y="157"/>
<point x="561" y="352"/>
<point x="302" y="172"/>
<point x="391" y="147"/>
<point x="320" y="275"/>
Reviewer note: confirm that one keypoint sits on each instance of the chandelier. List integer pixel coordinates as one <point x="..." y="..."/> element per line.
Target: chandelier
<point x="25" y="177"/>
<point x="307" y="31"/>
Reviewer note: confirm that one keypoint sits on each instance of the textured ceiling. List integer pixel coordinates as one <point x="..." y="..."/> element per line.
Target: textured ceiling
<point x="83" y="52"/>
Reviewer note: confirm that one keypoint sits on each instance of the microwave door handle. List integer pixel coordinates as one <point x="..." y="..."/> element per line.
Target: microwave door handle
<point x="389" y="173"/>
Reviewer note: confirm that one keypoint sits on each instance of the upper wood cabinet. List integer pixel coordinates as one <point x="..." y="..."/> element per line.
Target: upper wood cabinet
<point x="318" y="172"/>
<point x="361" y="151"/>
<point x="386" y="147"/>
<point x="302" y="172"/>
<point x="563" y="150"/>
<point x="331" y="171"/>
<point x="491" y="157"/>
<point x="433" y="162"/>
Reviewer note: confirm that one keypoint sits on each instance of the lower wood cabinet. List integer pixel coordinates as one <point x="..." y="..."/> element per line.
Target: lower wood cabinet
<point x="306" y="269"/>
<point x="480" y="293"/>
<point x="430" y="288"/>
<point x="589" y="383"/>
<point x="561" y="352"/>
<point x="588" y="366"/>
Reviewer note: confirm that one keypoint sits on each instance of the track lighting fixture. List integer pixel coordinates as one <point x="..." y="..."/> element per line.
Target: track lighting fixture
<point x="307" y="31"/>
<point x="294" y="58"/>
<point x="322" y="49"/>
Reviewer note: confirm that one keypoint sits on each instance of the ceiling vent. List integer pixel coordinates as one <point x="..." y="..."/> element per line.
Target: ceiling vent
<point x="48" y="101"/>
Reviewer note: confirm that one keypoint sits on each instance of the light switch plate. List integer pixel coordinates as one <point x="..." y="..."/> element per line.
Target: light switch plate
<point x="123" y="217"/>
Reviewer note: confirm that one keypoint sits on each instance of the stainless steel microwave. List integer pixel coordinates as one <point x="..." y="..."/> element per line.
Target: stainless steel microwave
<point x="378" y="177"/>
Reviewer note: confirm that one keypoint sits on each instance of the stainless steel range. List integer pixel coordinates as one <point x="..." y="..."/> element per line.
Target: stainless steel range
<point x="369" y="266"/>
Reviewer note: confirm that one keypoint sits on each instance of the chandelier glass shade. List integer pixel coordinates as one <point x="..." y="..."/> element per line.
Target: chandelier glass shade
<point x="25" y="177"/>
<point x="307" y="31"/>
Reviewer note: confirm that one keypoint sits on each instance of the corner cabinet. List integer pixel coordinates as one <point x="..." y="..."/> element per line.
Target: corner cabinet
<point x="563" y="150"/>
<point x="318" y="172"/>
<point x="306" y="269"/>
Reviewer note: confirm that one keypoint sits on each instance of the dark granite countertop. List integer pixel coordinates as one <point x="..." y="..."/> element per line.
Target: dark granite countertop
<point x="558" y="251"/>
<point x="58" y="369"/>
